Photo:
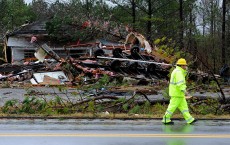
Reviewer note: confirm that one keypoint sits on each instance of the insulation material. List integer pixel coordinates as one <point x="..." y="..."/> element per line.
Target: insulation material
<point x="49" y="78"/>
<point x="40" y="54"/>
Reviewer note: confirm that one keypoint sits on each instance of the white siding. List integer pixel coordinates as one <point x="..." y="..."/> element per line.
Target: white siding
<point x="19" y="42"/>
<point x="20" y="45"/>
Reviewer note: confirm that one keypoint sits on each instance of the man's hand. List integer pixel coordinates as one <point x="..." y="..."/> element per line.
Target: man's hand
<point x="188" y="97"/>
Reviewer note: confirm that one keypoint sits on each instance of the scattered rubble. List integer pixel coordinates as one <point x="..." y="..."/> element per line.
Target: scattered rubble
<point x="136" y="60"/>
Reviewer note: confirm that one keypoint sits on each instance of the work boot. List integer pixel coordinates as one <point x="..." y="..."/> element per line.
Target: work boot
<point x="195" y="120"/>
<point x="168" y="123"/>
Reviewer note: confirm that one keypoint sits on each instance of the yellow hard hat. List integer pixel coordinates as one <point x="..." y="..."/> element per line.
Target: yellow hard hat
<point x="181" y="61"/>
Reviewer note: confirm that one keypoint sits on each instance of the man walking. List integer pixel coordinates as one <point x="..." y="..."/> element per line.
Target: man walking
<point x="177" y="91"/>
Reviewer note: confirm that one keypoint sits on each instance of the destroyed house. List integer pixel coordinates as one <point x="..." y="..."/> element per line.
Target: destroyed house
<point x="18" y="47"/>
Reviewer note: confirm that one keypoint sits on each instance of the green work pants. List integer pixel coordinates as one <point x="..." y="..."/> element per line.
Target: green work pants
<point x="181" y="104"/>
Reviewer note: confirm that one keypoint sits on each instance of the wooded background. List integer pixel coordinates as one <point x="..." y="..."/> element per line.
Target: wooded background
<point x="200" y="27"/>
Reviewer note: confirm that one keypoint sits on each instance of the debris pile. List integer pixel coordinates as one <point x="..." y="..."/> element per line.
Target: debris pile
<point x="136" y="58"/>
<point x="133" y="60"/>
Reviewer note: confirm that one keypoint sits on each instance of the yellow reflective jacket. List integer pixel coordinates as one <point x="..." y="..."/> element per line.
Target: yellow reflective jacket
<point x="177" y="86"/>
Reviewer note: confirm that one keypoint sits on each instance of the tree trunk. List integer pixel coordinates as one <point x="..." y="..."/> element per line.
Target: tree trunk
<point x="190" y="30"/>
<point x="223" y="32"/>
<point x="149" y="23"/>
<point x="134" y="13"/>
<point x="212" y="29"/>
<point x="181" y="25"/>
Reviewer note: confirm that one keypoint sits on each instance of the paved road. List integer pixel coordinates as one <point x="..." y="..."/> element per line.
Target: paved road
<point x="112" y="132"/>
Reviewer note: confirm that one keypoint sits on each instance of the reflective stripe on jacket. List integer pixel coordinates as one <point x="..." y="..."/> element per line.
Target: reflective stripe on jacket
<point x="177" y="84"/>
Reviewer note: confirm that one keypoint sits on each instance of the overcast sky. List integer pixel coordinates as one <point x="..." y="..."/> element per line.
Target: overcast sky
<point x="49" y="1"/>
